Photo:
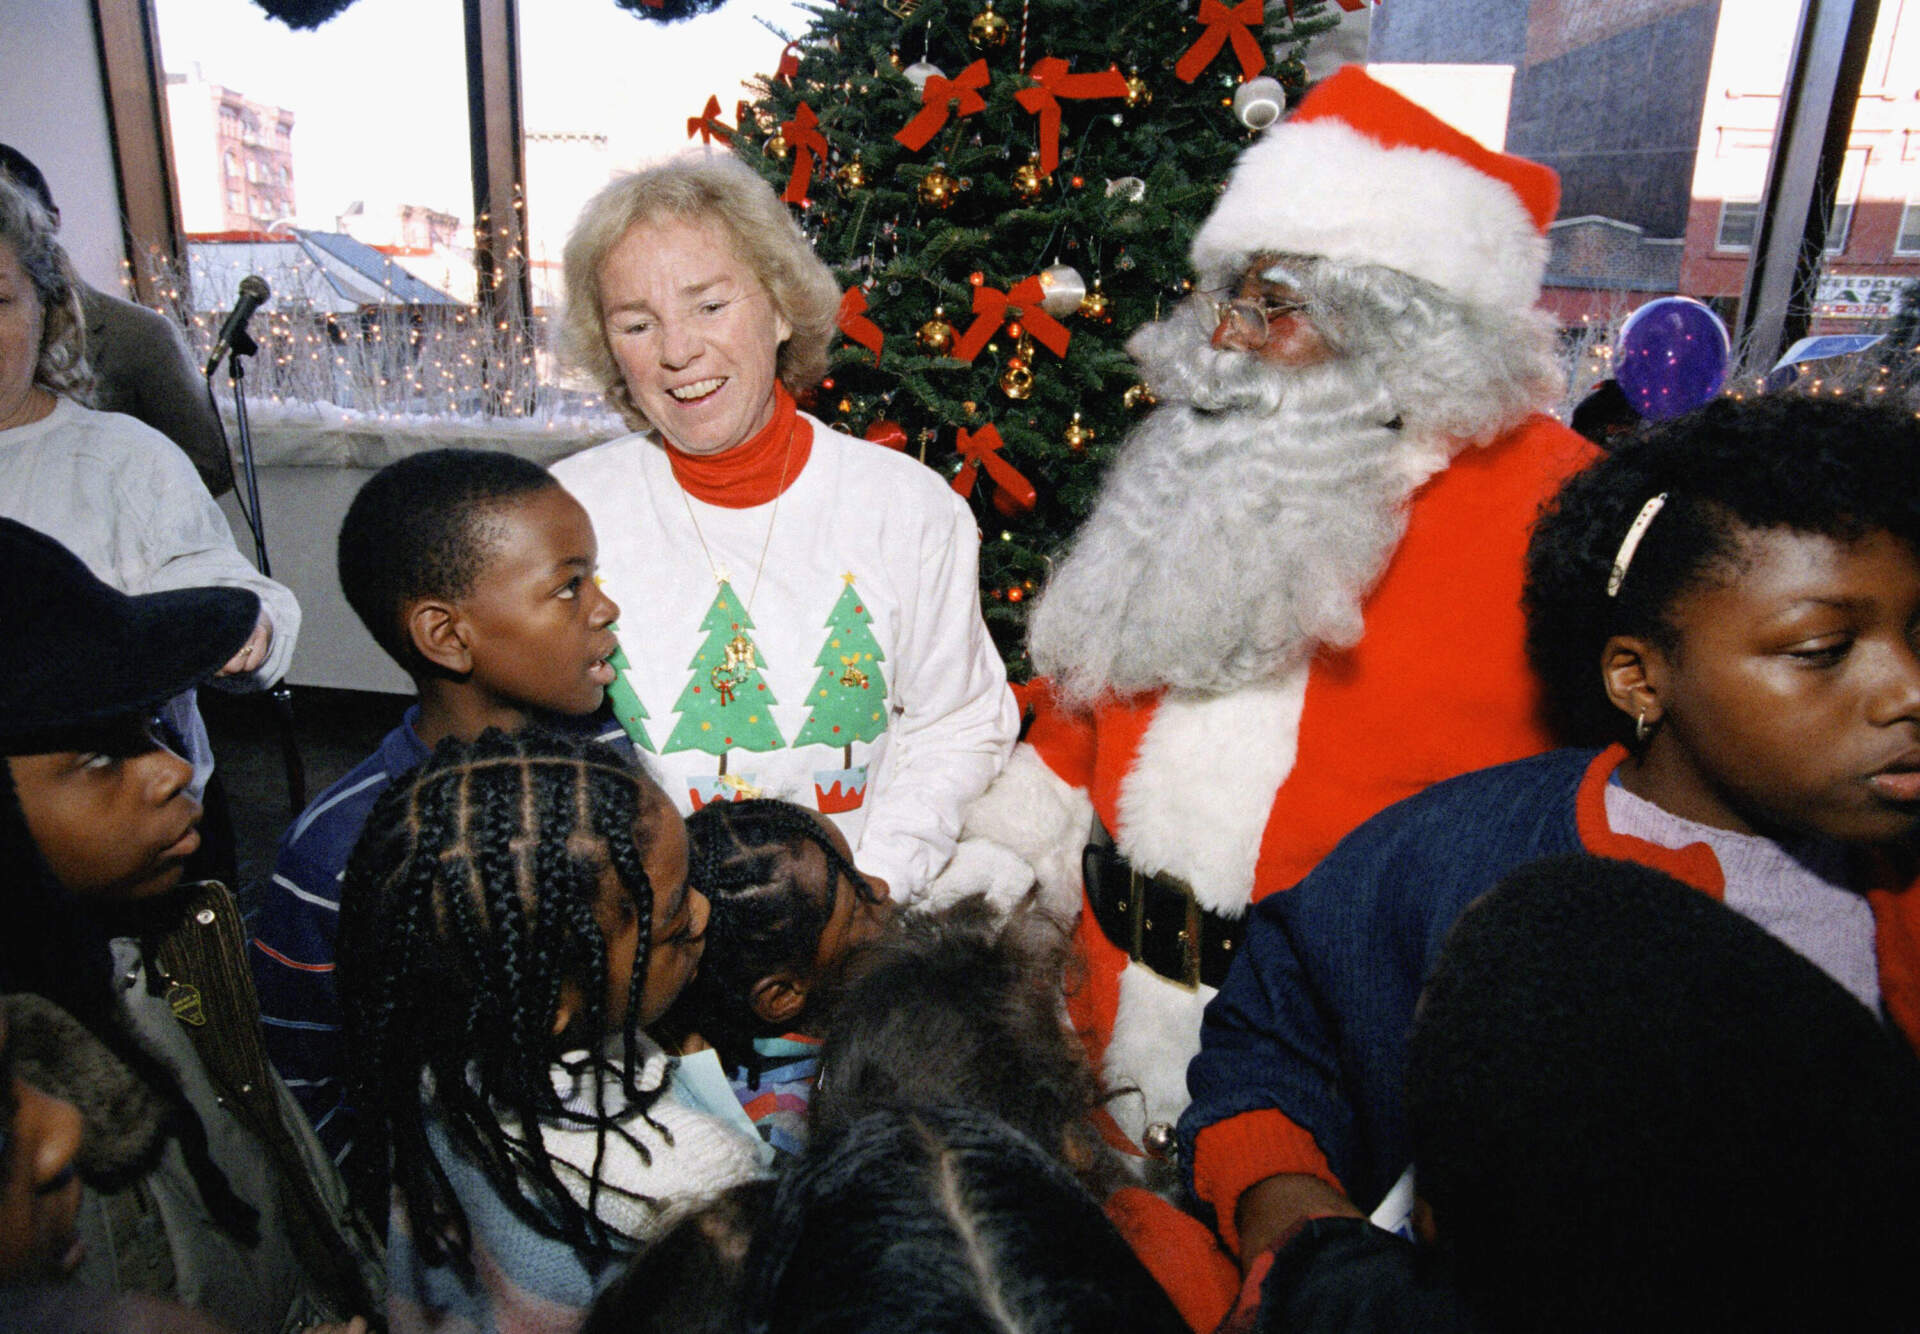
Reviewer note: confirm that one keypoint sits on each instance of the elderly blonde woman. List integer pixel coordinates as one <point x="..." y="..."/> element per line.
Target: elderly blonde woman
<point x="802" y="616"/>
<point x="114" y="491"/>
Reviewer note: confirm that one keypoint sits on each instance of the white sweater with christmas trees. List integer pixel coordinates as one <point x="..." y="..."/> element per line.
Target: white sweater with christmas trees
<point x="848" y="670"/>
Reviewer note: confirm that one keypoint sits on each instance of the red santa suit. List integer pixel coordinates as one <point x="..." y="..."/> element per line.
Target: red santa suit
<point x="1237" y="795"/>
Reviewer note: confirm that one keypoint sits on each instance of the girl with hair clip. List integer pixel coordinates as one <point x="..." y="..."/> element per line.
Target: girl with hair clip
<point x="514" y="918"/>
<point x="787" y="904"/>
<point x="1725" y="611"/>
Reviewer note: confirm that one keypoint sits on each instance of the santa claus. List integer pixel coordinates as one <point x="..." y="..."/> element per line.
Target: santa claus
<point x="1298" y="598"/>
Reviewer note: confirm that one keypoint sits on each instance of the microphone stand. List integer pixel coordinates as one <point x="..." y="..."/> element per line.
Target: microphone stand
<point x="242" y="345"/>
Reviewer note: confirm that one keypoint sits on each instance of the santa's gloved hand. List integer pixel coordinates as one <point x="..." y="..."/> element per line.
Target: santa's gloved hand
<point x="979" y="866"/>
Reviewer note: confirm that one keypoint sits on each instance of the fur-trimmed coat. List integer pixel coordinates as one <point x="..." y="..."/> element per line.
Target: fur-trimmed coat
<point x="1240" y="794"/>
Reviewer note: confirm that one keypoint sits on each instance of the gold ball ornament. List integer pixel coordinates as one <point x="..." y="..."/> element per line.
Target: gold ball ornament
<point x="988" y="31"/>
<point x="1094" y="305"/>
<point x="777" y="147"/>
<point x="853" y="175"/>
<point x="1028" y="182"/>
<point x="1138" y="94"/>
<point x="1078" y="435"/>
<point x="937" y="334"/>
<point x="1016" y="381"/>
<point x="937" y="188"/>
<point x="1137" y="396"/>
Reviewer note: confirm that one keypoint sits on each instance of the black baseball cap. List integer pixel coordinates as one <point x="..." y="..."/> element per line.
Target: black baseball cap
<point x="77" y="654"/>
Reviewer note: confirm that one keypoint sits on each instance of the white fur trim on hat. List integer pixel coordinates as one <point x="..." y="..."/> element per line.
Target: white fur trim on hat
<point x="1322" y="188"/>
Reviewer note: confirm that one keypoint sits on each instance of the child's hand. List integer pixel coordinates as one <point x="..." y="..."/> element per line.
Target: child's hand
<point x="253" y="653"/>
<point x="692" y="1043"/>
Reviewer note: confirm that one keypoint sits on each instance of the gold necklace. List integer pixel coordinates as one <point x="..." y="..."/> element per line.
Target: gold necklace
<point x="739" y="663"/>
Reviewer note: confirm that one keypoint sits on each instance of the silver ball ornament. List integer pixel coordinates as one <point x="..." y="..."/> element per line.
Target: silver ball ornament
<point x="920" y="71"/>
<point x="1063" y="287"/>
<point x="1259" y="102"/>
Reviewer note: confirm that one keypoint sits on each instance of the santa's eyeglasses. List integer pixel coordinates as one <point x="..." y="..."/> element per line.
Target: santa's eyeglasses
<point x="1249" y="321"/>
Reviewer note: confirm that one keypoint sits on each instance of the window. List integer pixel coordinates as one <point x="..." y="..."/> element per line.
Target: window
<point x="1739" y="218"/>
<point x="1909" y="239"/>
<point x="1839" y="223"/>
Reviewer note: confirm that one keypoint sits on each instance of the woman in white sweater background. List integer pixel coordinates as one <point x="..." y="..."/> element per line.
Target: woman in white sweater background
<point x="802" y="614"/>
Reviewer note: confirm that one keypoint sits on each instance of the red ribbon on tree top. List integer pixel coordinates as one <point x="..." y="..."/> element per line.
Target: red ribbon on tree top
<point x="940" y="96"/>
<point x="855" y="324"/>
<point x="789" y="62"/>
<point x="991" y="307"/>
<point x="1054" y="83"/>
<point x="808" y="143"/>
<point x="1222" y="24"/>
<point x="708" y="125"/>
<point x="981" y="449"/>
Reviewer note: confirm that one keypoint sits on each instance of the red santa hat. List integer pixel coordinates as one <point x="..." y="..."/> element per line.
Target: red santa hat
<point x="1359" y="173"/>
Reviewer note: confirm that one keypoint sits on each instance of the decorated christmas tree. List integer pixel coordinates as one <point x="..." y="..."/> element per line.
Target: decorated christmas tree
<point x="849" y="697"/>
<point x="1006" y="196"/>
<point x="726" y="703"/>
<point x="627" y="707"/>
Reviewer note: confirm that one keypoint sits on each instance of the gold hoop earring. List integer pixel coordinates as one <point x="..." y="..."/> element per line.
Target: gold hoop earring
<point x="1641" y="731"/>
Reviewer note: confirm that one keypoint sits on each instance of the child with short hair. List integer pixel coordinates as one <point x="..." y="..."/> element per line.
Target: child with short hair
<point x="1733" y="1147"/>
<point x="216" y="1192"/>
<point x="514" y="919"/>
<point x="943" y="1219"/>
<point x="475" y="571"/>
<point x="787" y="906"/>
<point x="1727" y="604"/>
<point x="962" y="1007"/>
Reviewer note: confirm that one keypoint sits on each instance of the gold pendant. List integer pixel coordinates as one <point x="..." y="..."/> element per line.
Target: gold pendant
<point x="183" y="998"/>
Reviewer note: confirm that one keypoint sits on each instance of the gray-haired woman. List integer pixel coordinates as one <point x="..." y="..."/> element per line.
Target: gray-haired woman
<point x="113" y="490"/>
<point x="802" y="611"/>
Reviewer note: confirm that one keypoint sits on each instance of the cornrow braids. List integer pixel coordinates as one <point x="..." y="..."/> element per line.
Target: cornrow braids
<point x="469" y="903"/>
<point x="746" y="858"/>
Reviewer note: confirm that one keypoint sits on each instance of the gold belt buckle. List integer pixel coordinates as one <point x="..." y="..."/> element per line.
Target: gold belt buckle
<point x="1188" y="936"/>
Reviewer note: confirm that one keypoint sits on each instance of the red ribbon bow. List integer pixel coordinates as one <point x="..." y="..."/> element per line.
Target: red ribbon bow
<point x="855" y="324"/>
<point x="808" y="143"/>
<point x="708" y="125"/>
<point x="789" y="62"/>
<point x="981" y="449"/>
<point x="1222" y="23"/>
<point x="991" y="306"/>
<point x="1051" y="74"/>
<point x="941" y="95"/>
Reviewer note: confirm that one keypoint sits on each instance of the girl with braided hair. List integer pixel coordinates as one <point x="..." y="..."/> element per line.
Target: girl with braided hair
<point x="515" y="916"/>
<point x="787" y="906"/>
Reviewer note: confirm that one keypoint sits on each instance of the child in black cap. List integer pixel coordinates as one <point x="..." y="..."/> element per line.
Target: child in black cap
<point x="234" y="1209"/>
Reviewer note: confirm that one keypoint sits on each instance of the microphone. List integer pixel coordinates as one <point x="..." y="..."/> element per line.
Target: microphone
<point x="254" y="293"/>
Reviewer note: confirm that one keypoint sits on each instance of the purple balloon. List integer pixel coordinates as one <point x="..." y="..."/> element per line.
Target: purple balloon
<point x="1672" y="357"/>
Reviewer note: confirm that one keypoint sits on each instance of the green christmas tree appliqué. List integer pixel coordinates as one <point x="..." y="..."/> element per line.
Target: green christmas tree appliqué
<point x="726" y="705"/>
<point x="625" y="700"/>
<point x="849" y="697"/>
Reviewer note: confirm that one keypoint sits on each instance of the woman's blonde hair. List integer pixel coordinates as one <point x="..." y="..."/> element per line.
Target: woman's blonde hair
<point x="27" y="229"/>
<point x="725" y="193"/>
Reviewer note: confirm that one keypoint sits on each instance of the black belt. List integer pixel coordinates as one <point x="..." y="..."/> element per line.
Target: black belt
<point x="1156" y="919"/>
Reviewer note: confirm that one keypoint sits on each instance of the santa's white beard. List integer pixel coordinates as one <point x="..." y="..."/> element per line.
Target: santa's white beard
<point x="1239" y="529"/>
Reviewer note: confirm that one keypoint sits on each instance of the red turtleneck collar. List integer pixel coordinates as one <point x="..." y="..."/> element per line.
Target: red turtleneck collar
<point x="754" y="471"/>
